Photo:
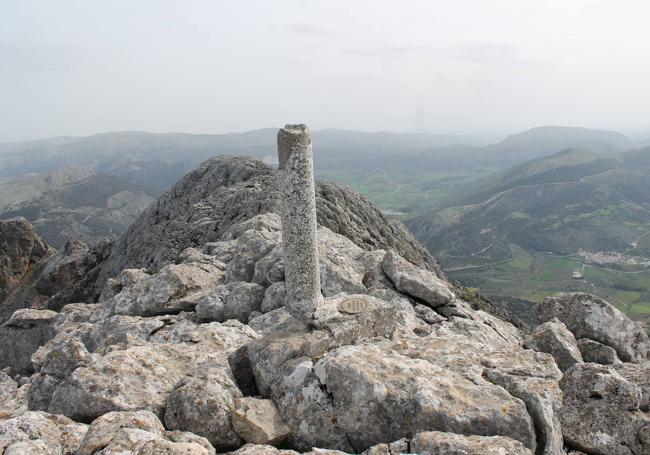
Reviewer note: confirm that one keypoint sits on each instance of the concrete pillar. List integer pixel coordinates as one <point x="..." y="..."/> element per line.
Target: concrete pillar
<point x="299" y="227"/>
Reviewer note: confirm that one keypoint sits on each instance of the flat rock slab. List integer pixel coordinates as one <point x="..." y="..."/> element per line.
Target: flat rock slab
<point x="419" y="283"/>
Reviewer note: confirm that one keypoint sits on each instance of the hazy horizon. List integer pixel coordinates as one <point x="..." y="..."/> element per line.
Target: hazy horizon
<point x="75" y="68"/>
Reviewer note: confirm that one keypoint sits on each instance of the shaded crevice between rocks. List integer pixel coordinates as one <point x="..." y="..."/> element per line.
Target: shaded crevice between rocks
<point x="541" y="438"/>
<point x="330" y="397"/>
<point x="487" y="323"/>
<point x="242" y="372"/>
<point x="166" y="323"/>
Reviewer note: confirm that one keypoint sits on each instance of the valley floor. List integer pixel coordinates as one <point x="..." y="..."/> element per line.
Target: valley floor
<point x="532" y="277"/>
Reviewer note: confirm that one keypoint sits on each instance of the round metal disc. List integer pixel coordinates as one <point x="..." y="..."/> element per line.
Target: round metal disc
<point x="353" y="306"/>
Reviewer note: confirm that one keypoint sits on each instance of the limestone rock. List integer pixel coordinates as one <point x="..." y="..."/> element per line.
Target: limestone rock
<point x="251" y="246"/>
<point x="554" y="338"/>
<point x="211" y="303"/>
<point x="275" y="297"/>
<point x="139" y="377"/>
<point x="243" y="300"/>
<point x="65" y="357"/>
<point x="270" y="269"/>
<point x="12" y="397"/>
<point x="252" y="449"/>
<point x="258" y="421"/>
<point x="393" y="395"/>
<point x="163" y="292"/>
<point x="587" y="316"/>
<point x="202" y="403"/>
<point x="134" y="441"/>
<point x="595" y="352"/>
<point x="434" y="442"/>
<point x="27" y="318"/>
<point x="418" y="283"/>
<point x="142" y="375"/>
<point x="339" y="272"/>
<point x="40" y="433"/>
<point x="186" y="437"/>
<point x="161" y="446"/>
<point x="104" y="429"/>
<point x="225" y="191"/>
<point x="601" y="412"/>
<point x="639" y="375"/>
<point x="18" y="342"/>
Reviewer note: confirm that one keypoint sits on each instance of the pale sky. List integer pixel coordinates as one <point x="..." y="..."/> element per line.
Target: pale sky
<point x="78" y="67"/>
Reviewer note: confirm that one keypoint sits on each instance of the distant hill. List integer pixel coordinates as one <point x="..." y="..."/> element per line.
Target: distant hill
<point x="74" y="202"/>
<point x="571" y="200"/>
<point x="405" y="174"/>
<point x="546" y="140"/>
<point x="158" y="160"/>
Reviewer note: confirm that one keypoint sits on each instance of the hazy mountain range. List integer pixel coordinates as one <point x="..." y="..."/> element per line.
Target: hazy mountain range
<point x="546" y="190"/>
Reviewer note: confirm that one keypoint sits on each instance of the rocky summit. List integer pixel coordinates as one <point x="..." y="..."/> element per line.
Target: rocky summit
<point x="177" y="340"/>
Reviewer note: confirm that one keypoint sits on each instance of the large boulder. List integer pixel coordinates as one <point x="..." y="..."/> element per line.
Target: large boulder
<point x="416" y="282"/>
<point x="139" y="433"/>
<point x="380" y="395"/>
<point x="22" y="335"/>
<point x="336" y="390"/>
<point x="140" y="375"/>
<point x="104" y="429"/>
<point x="39" y="433"/>
<point x="554" y="338"/>
<point x="639" y="375"/>
<point x="435" y="442"/>
<point x="202" y="403"/>
<point x="587" y="316"/>
<point x="601" y="412"/>
<point x="257" y="421"/>
<point x="595" y="352"/>
<point x="164" y="292"/>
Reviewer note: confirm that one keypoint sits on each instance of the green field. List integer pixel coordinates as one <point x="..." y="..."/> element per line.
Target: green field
<point x="533" y="277"/>
<point x="405" y="194"/>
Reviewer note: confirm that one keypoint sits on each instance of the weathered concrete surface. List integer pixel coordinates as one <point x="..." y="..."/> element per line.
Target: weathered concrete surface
<point x="299" y="226"/>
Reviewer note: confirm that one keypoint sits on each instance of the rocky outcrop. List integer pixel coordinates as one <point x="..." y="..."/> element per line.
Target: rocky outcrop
<point x="67" y="276"/>
<point x="225" y="191"/>
<point x="20" y="250"/>
<point x="587" y="316"/>
<point x="554" y="338"/>
<point x="22" y="335"/>
<point x="198" y="354"/>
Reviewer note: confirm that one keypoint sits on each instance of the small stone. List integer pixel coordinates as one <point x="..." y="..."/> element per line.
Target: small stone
<point x="258" y="421"/>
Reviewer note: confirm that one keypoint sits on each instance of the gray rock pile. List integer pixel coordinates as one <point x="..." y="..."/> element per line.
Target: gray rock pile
<point x="190" y="350"/>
